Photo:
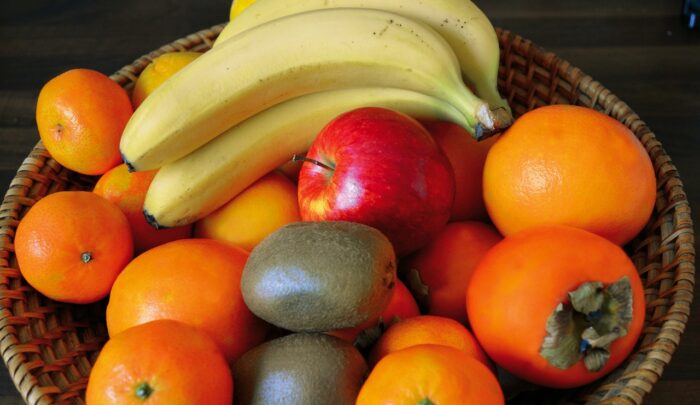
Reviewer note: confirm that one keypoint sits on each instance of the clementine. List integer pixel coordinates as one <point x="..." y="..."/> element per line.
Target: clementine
<point x="430" y="374"/>
<point x="570" y="165"/>
<point x="467" y="157"/>
<point x="196" y="281"/>
<point x="259" y="210"/>
<point x="446" y="264"/>
<point x="160" y="362"/>
<point x="128" y="191"/>
<point x="80" y="115"/>
<point x="71" y="246"/>
<point x="427" y="329"/>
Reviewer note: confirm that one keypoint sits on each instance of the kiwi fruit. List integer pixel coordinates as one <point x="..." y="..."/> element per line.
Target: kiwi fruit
<point x="301" y="368"/>
<point x="320" y="276"/>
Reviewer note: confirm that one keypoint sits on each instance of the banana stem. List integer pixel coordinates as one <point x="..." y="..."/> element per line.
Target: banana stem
<point x="489" y="93"/>
<point x="491" y="122"/>
<point x="483" y="120"/>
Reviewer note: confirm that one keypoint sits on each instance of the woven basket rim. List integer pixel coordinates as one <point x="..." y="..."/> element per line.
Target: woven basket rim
<point x="628" y="388"/>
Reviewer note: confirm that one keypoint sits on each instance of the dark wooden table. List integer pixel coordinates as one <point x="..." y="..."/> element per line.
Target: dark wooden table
<point x="639" y="49"/>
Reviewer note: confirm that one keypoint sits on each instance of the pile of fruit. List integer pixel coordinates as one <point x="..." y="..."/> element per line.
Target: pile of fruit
<point x="335" y="205"/>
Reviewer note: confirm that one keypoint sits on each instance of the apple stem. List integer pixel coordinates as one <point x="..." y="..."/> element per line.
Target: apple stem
<point x="298" y="158"/>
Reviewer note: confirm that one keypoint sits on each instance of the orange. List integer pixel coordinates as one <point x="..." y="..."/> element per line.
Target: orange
<point x="430" y="374"/>
<point x="573" y="166"/>
<point x="160" y="362"/>
<point x="447" y="263"/>
<point x="467" y="157"/>
<point x="71" y="246"/>
<point x="80" y="115"/>
<point x="265" y="206"/>
<point x="128" y="191"/>
<point x="159" y="70"/>
<point x="427" y="329"/>
<point x="400" y="306"/>
<point x="196" y="281"/>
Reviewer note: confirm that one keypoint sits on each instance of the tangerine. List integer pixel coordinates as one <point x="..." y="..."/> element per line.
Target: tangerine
<point x="430" y="374"/>
<point x="81" y="115"/>
<point x="427" y="329"/>
<point x="196" y="281"/>
<point x="128" y="191"/>
<point x="72" y="245"/>
<point x="160" y="362"/>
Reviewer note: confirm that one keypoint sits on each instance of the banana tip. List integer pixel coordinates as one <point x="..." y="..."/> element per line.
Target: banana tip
<point x="152" y="220"/>
<point x="128" y="164"/>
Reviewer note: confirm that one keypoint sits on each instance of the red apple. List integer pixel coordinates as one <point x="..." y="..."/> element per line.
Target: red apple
<point x="381" y="168"/>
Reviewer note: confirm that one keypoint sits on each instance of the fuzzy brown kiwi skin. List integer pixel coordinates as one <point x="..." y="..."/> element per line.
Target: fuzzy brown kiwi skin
<point x="301" y="368"/>
<point x="320" y="276"/>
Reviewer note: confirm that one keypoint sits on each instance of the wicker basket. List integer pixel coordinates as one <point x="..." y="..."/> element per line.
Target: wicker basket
<point x="49" y="347"/>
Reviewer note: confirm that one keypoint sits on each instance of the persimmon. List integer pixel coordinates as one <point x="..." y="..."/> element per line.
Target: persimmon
<point x="160" y="362"/>
<point x="81" y="115"/>
<point x="128" y="190"/>
<point x="72" y="245"/>
<point x="195" y="281"/>
<point x="440" y="272"/>
<point x="556" y="305"/>
<point x="427" y="329"/>
<point x="570" y="165"/>
<point x="467" y="157"/>
<point x="430" y="374"/>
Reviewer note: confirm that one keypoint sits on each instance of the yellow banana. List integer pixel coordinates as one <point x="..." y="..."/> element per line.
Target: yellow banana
<point x="238" y="6"/>
<point x="465" y="27"/>
<point x="289" y="57"/>
<point x="192" y="187"/>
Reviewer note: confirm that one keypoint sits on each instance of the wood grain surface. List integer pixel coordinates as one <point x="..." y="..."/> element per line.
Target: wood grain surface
<point x="639" y="49"/>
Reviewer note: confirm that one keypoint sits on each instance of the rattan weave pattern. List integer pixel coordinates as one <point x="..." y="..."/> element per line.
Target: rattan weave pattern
<point x="49" y="347"/>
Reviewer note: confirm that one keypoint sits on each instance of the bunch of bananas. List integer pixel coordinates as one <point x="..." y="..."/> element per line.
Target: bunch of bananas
<point x="281" y="70"/>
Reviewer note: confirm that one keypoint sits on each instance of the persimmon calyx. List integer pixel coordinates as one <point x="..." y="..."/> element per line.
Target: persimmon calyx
<point x="368" y="337"/>
<point x="419" y="290"/>
<point x="585" y="326"/>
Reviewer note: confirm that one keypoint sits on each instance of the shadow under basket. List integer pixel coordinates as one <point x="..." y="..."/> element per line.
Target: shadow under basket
<point x="49" y="347"/>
